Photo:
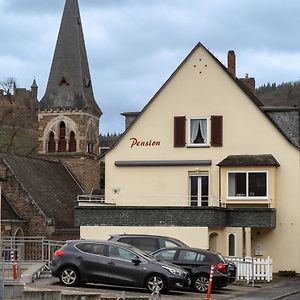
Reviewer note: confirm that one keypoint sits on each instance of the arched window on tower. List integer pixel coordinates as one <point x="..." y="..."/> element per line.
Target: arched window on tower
<point x="62" y="137"/>
<point x="72" y="143"/>
<point x="51" y="142"/>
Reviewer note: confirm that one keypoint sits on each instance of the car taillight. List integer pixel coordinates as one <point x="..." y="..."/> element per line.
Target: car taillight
<point x="59" y="252"/>
<point x="221" y="267"/>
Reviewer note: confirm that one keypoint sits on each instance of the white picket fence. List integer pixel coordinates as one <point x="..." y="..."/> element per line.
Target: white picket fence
<point x="253" y="269"/>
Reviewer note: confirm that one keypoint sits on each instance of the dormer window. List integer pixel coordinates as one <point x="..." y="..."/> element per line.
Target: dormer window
<point x="87" y="82"/>
<point x="63" y="81"/>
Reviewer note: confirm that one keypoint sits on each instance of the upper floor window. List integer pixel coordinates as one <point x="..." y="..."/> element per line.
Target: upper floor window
<point x="61" y="140"/>
<point x="198" y="131"/>
<point x="248" y="184"/>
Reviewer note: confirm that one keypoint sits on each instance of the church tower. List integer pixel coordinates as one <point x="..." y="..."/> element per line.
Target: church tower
<point x="68" y="114"/>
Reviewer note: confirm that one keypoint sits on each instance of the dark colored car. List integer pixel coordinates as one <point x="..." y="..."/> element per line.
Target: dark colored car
<point x="231" y="271"/>
<point x="147" y="243"/>
<point x="82" y="261"/>
<point x="198" y="263"/>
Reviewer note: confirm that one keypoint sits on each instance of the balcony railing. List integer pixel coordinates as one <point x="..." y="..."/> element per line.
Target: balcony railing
<point x="92" y="200"/>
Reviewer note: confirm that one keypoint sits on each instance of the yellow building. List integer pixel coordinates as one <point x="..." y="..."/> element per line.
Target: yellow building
<point x="205" y="163"/>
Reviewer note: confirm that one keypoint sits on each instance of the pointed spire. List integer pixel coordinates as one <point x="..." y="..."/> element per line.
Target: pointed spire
<point x="34" y="85"/>
<point x="69" y="84"/>
<point x="34" y="89"/>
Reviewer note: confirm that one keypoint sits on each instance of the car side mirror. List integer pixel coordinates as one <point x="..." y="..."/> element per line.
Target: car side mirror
<point x="136" y="261"/>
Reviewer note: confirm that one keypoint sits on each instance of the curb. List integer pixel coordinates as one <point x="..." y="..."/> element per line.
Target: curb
<point x="287" y="294"/>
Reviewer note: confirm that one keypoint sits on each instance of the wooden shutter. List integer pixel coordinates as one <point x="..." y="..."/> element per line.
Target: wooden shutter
<point x="179" y="131"/>
<point x="216" y="131"/>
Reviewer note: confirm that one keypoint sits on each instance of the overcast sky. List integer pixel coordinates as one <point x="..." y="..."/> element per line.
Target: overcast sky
<point x="133" y="46"/>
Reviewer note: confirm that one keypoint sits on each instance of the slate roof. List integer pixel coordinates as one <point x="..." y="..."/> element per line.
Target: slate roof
<point x="69" y="84"/>
<point x="8" y="213"/>
<point x="249" y="160"/>
<point x="49" y="186"/>
<point x="287" y="120"/>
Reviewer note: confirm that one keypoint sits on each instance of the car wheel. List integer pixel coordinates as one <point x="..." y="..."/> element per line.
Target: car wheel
<point x="69" y="276"/>
<point x="200" y="283"/>
<point x="156" y="282"/>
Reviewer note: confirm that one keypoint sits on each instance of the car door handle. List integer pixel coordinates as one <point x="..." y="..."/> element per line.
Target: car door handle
<point x="111" y="263"/>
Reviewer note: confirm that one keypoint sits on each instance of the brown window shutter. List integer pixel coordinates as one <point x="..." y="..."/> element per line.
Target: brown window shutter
<point x="179" y="131"/>
<point x="216" y="131"/>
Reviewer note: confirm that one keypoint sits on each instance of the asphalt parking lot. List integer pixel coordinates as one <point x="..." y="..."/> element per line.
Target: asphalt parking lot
<point x="280" y="288"/>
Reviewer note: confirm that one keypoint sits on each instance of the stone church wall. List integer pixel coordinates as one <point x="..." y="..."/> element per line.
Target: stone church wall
<point x="86" y="170"/>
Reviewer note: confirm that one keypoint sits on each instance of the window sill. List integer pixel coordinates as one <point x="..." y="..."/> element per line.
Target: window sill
<point x="247" y="199"/>
<point x="197" y="146"/>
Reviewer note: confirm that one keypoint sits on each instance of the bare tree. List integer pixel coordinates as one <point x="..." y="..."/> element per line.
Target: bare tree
<point x="17" y="127"/>
<point x="7" y="85"/>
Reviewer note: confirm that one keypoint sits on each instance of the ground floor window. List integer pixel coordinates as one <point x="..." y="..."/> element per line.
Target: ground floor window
<point x="199" y="190"/>
<point x="248" y="184"/>
<point x="231" y="244"/>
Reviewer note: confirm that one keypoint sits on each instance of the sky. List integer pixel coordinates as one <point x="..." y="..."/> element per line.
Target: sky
<point x="133" y="46"/>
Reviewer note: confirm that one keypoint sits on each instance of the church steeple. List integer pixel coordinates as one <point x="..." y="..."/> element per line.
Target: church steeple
<point x="68" y="113"/>
<point x="69" y="84"/>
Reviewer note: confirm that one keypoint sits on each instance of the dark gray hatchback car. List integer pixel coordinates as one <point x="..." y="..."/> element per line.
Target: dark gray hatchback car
<point x="107" y="262"/>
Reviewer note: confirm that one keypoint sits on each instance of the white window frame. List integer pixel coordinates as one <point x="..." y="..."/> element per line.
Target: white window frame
<point x="247" y="197"/>
<point x="189" y="144"/>
<point x="199" y="201"/>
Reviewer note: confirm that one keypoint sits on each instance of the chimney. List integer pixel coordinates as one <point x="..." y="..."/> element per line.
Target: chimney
<point x="129" y="118"/>
<point x="249" y="82"/>
<point x="231" y="63"/>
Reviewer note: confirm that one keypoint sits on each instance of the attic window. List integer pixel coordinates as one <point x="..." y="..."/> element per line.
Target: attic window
<point x="198" y="131"/>
<point x="87" y="82"/>
<point x="63" y="81"/>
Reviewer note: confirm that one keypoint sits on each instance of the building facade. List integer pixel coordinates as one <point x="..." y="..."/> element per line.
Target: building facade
<point x="57" y="149"/>
<point x="68" y="113"/>
<point x="204" y="163"/>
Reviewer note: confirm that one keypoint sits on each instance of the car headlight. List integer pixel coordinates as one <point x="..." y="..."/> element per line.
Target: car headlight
<point x="176" y="272"/>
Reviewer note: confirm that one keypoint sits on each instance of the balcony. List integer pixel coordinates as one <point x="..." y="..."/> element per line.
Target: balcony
<point x="108" y="214"/>
<point x="92" y="200"/>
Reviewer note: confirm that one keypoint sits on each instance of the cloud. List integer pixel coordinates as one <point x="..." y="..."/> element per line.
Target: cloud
<point x="134" y="46"/>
